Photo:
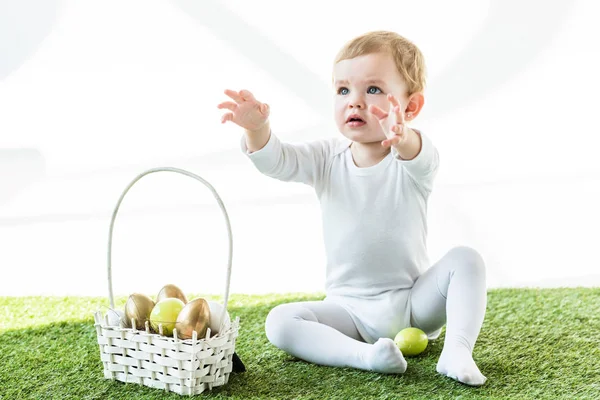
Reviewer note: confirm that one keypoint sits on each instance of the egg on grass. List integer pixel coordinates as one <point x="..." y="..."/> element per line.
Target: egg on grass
<point x="411" y="341"/>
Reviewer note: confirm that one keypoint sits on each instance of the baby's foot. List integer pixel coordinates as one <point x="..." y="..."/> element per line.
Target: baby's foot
<point x="385" y="357"/>
<point x="457" y="363"/>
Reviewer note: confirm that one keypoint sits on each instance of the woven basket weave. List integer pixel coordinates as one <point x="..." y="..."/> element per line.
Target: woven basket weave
<point x="187" y="367"/>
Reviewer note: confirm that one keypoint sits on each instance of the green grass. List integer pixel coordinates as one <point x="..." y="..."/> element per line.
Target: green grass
<point x="534" y="344"/>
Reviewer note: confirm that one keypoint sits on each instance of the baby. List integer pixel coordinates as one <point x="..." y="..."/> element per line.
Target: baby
<point x="373" y="185"/>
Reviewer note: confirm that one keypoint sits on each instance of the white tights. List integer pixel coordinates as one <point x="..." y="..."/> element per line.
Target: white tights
<point x="451" y="292"/>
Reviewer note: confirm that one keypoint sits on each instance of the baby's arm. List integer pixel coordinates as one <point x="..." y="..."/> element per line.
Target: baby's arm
<point x="250" y="114"/>
<point x="424" y="165"/>
<point x="283" y="161"/>
<point x="410" y="147"/>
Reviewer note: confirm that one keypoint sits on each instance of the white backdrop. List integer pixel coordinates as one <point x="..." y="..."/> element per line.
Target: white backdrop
<point x="94" y="93"/>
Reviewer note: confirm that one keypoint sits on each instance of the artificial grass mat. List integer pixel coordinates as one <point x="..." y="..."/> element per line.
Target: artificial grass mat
<point x="534" y="344"/>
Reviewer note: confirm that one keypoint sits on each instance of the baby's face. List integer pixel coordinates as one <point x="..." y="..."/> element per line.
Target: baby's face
<point x="360" y="82"/>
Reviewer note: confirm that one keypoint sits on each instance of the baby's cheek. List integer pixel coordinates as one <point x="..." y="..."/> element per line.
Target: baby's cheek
<point x="383" y="104"/>
<point x="339" y="115"/>
<point x="380" y="133"/>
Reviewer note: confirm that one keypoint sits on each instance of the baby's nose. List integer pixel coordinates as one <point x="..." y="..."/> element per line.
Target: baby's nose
<point x="357" y="104"/>
<point x="357" y="100"/>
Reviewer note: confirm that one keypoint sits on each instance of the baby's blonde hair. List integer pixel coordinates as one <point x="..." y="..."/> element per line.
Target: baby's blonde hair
<point x="407" y="56"/>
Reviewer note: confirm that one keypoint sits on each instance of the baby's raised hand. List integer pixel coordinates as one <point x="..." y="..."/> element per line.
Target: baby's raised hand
<point x="392" y="122"/>
<point x="246" y="111"/>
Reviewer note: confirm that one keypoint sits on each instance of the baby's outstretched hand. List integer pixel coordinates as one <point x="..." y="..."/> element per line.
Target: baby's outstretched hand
<point x="392" y="122"/>
<point x="246" y="111"/>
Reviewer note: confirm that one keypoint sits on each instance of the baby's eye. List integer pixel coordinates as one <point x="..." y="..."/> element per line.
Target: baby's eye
<point x="373" y="90"/>
<point x="343" y="91"/>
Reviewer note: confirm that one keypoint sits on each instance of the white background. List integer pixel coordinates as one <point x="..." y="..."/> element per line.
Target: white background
<point x="94" y="93"/>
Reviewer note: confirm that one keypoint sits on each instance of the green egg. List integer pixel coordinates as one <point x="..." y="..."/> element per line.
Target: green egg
<point x="411" y="341"/>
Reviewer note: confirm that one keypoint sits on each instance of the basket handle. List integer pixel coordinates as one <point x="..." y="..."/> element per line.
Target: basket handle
<point x="214" y="192"/>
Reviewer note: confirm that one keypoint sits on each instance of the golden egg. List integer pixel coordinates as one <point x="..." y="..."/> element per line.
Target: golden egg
<point x="138" y="306"/>
<point x="195" y="316"/>
<point x="171" y="291"/>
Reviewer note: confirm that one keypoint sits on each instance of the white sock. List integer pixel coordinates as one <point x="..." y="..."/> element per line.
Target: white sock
<point x="456" y="362"/>
<point x="454" y="291"/>
<point x="385" y="357"/>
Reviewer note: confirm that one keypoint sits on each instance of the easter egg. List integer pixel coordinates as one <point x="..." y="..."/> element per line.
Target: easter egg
<point x="171" y="291"/>
<point x="216" y="310"/>
<point x="411" y="341"/>
<point x="195" y="316"/>
<point x="138" y="306"/>
<point x="165" y="313"/>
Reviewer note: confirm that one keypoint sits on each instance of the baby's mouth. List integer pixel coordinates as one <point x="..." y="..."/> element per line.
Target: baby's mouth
<point x="355" y="121"/>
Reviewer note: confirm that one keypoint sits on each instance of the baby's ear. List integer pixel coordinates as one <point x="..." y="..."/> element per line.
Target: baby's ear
<point x="414" y="106"/>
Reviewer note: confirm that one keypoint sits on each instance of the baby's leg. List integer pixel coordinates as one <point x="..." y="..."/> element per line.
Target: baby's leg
<point x="324" y="333"/>
<point x="454" y="288"/>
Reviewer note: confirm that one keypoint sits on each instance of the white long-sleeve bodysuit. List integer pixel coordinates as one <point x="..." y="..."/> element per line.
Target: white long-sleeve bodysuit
<point x="374" y="224"/>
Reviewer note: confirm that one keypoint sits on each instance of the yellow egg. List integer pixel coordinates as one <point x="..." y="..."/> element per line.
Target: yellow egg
<point x="171" y="291"/>
<point x="195" y="316"/>
<point x="165" y="314"/>
<point x="138" y="306"/>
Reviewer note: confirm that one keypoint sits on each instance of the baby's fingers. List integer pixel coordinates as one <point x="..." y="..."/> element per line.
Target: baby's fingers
<point x="378" y="112"/>
<point x="264" y="109"/>
<point x="226" y="117"/>
<point x="234" y="95"/>
<point x="229" y="105"/>
<point x="398" y="129"/>
<point x="399" y="115"/>
<point x="246" y="95"/>
<point x="392" y="99"/>
<point x="394" y="140"/>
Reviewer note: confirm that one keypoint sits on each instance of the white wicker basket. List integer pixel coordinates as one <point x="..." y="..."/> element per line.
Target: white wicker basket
<point x="187" y="367"/>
